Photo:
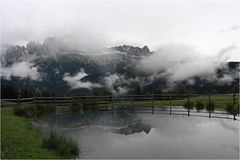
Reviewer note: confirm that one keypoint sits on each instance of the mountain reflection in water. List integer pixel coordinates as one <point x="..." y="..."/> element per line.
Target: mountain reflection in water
<point x="125" y="134"/>
<point x="134" y="128"/>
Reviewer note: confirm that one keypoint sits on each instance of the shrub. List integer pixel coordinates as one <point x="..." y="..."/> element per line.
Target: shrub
<point x="24" y="111"/>
<point x="39" y="108"/>
<point x="229" y="107"/>
<point x="31" y="110"/>
<point x="199" y="105"/>
<point x="48" y="107"/>
<point x="210" y="106"/>
<point x="232" y="109"/>
<point x="90" y="106"/>
<point x="62" y="145"/>
<point x="19" y="111"/>
<point x="42" y="109"/>
<point x="188" y="105"/>
<point x="76" y="107"/>
<point x="75" y="103"/>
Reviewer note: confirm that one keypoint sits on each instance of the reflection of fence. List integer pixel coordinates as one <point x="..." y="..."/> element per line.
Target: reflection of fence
<point x="176" y="110"/>
<point x="151" y="101"/>
<point x="165" y="110"/>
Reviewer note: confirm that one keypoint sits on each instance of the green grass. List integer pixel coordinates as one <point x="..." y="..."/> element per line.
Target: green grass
<point x="220" y="101"/>
<point x="32" y="110"/>
<point x="19" y="139"/>
<point x="65" y="147"/>
<point x="5" y="104"/>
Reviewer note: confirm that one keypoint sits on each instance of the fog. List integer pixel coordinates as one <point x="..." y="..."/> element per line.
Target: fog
<point x="188" y="38"/>
<point x="178" y="63"/>
<point x="209" y="26"/>
<point x="75" y="81"/>
<point x="21" y="70"/>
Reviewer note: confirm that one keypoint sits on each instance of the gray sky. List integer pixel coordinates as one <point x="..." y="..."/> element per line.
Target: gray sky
<point x="207" y="26"/>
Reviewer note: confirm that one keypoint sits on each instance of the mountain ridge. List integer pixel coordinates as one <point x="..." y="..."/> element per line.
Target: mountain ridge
<point x="115" y="73"/>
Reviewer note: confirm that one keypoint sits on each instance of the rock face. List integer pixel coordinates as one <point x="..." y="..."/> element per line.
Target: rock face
<point x="131" y="50"/>
<point x="134" y="128"/>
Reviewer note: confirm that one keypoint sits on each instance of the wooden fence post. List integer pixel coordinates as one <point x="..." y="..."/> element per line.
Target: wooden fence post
<point x="170" y="100"/>
<point x="210" y="109"/>
<point x="152" y="98"/>
<point x="88" y="99"/>
<point x="73" y="99"/>
<point x="189" y="105"/>
<point x="234" y="100"/>
<point x="170" y="105"/>
<point x="19" y="96"/>
<point x="112" y="101"/>
<point x="55" y="102"/>
<point x="35" y="107"/>
<point x="34" y="100"/>
<point x="238" y="104"/>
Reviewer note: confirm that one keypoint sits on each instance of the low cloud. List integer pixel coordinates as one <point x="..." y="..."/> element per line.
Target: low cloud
<point x="21" y="70"/>
<point x="231" y="29"/>
<point x="226" y="79"/>
<point x="120" y="84"/>
<point x="83" y="42"/>
<point x="75" y="81"/>
<point x="115" y="82"/>
<point x="178" y="63"/>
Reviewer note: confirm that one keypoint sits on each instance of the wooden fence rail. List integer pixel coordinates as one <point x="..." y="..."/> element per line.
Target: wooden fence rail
<point x="220" y="100"/>
<point x="154" y="99"/>
<point x="130" y="98"/>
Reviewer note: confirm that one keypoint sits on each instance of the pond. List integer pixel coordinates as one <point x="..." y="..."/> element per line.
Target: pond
<point x="127" y="134"/>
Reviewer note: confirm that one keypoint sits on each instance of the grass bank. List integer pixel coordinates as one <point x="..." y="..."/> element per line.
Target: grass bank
<point x="64" y="146"/>
<point x="20" y="140"/>
<point x="220" y="101"/>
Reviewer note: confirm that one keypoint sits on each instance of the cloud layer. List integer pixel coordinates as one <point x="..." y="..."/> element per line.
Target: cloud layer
<point x="75" y="81"/>
<point x="178" y="63"/>
<point x="21" y="70"/>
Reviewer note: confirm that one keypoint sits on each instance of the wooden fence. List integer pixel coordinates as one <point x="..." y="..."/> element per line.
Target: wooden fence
<point x="153" y="101"/>
<point x="224" y="98"/>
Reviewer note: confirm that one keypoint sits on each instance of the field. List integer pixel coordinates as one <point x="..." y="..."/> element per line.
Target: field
<point x="220" y="101"/>
<point x="19" y="139"/>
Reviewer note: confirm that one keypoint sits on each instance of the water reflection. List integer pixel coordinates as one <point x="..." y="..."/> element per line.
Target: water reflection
<point x="134" y="128"/>
<point x="123" y="134"/>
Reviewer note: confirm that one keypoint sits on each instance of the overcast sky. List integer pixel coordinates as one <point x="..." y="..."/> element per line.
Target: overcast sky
<point x="206" y="25"/>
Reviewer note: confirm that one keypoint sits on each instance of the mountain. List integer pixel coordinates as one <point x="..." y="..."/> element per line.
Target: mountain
<point x="66" y="71"/>
<point x="135" y="51"/>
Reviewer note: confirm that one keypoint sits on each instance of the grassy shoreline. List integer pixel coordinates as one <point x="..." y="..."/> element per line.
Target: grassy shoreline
<point x="19" y="140"/>
<point x="219" y="101"/>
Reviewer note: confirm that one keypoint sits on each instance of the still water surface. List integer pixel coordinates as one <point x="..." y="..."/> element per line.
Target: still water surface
<point x="124" y="134"/>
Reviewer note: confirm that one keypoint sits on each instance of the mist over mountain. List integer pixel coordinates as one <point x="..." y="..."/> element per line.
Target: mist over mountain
<point x="63" y="67"/>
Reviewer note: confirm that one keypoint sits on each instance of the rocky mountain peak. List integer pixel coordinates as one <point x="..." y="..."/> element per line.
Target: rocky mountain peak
<point x="131" y="50"/>
<point x="146" y="49"/>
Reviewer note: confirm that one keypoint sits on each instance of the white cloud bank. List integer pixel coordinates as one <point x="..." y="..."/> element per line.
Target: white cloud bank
<point x="152" y="22"/>
<point x="179" y="63"/>
<point x="75" y="81"/>
<point x="21" y="70"/>
<point x="114" y="83"/>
